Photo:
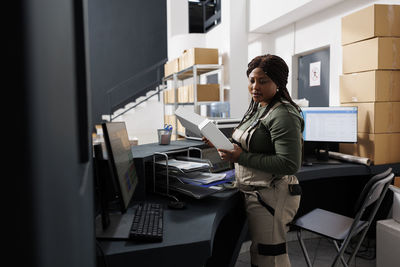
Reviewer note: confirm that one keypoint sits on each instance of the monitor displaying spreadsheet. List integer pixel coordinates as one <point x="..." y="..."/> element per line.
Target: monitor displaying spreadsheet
<point x="330" y="124"/>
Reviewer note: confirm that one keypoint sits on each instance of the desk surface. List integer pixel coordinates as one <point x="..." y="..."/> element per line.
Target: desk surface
<point x="318" y="171"/>
<point x="188" y="234"/>
<point x="147" y="150"/>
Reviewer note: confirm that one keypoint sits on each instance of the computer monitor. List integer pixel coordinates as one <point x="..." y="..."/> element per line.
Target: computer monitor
<point x="330" y="124"/>
<point x="120" y="160"/>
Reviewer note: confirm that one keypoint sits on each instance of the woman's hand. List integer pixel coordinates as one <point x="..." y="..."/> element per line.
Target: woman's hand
<point x="230" y="155"/>
<point x="205" y="140"/>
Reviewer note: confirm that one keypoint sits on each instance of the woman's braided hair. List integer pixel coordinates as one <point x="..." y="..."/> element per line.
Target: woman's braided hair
<point x="276" y="69"/>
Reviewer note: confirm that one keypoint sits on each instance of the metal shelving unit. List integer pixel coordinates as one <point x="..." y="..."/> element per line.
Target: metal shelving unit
<point x="195" y="72"/>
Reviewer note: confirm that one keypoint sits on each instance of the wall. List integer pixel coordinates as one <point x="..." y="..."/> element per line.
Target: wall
<point x="238" y="45"/>
<point x="230" y="37"/>
<point x="125" y="37"/>
<point x="143" y="121"/>
<point x="269" y="15"/>
<point x="317" y="31"/>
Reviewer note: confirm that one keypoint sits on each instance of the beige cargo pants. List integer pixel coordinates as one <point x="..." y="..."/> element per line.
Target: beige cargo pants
<point x="269" y="210"/>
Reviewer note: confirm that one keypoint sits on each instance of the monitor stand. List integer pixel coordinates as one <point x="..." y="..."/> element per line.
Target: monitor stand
<point x="322" y="155"/>
<point x="313" y="160"/>
<point x="312" y="153"/>
<point x="119" y="227"/>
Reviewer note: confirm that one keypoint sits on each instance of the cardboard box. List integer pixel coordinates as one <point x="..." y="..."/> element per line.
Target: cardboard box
<point x="370" y="22"/>
<point x="370" y="86"/>
<point x="387" y="243"/>
<point x="380" y="148"/>
<point x="195" y="56"/>
<point x="165" y="96"/>
<point x="180" y="129"/>
<point x="205" y="92"/>
<point x="183" y="94"/>
<point x="380" y="53"/>
<point x="170" y="119"/>
<point x="171" y="67"/>
<point x="377" y="117"/>
<point x="181" y="63"/>
<point x="397" y="181"/>
<point x="169" y="96"/>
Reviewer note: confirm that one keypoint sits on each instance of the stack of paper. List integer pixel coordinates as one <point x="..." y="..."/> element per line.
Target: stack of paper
<point x="184" y="166"/>
<point x="199" y="177"/>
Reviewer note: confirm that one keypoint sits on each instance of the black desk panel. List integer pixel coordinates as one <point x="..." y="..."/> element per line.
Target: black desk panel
<point x="189" y="234"/>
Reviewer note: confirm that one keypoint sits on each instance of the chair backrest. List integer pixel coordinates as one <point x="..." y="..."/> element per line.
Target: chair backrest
<point x="375" y="195"/>
<point x="367" y="188"/>
<point x="377" y="191"/>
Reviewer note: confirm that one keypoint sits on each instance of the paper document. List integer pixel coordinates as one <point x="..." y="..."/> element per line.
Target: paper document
<point x="183" y="165"/>
<point x="203" y="126"/>
<point x="199" y="177"/>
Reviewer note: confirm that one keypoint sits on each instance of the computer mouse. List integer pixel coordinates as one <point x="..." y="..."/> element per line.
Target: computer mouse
<point x="176" y="205"/>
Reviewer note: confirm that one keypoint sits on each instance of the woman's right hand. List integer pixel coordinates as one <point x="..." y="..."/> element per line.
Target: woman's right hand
<point x="205" y="140"/>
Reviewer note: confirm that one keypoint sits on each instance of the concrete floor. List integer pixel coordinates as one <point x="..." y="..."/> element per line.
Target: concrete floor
<point x="320" y="250"/>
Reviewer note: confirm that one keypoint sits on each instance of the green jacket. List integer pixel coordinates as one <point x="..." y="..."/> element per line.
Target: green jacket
<point x="276" y="145"/>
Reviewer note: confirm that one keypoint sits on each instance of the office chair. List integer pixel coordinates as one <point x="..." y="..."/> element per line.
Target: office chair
<point x="339" y="228"/>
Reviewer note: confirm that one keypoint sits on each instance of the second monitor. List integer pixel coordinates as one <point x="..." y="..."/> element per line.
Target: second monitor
<point x="330" y="124"/>
<point x="120" y="159"/>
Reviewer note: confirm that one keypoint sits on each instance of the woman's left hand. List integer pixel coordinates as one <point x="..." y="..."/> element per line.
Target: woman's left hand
<point x="230" y="155"/>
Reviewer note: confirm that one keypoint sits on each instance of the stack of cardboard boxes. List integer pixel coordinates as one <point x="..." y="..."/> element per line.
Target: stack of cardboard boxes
<point x="371" y="81"/>
<point x="185" y="93"/>
<point x="190" y="57"/>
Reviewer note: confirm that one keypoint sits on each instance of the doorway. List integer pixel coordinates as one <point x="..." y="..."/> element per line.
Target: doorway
<point x="313" y="78"/>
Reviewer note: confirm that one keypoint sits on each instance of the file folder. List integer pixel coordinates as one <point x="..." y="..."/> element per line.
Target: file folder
<point x="203" y="126"/>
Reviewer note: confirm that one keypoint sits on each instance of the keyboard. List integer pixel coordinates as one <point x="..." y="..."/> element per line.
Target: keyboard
<point x="147" y="224"/>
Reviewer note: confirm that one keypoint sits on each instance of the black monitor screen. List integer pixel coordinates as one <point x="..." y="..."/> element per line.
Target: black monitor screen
<point x="121" y="160"/>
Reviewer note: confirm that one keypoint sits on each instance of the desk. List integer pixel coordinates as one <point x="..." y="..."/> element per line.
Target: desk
<point x="197" y="235"/>
<point x="322" y="171"/>
<point x="192" y="237"/>
<point x="334" y="186"/>
<point x="206" y="233"/>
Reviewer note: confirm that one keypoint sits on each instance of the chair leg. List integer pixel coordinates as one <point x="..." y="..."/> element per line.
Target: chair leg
<point x="364" y="232"/>
<point x="303" y="248"/>
<point x="341" y="252"/>
<point x="338" y="250"/>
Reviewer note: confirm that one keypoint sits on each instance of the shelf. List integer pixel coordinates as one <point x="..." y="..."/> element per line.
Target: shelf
<point x="188" y="72"/>
<point x="194" y="72"/>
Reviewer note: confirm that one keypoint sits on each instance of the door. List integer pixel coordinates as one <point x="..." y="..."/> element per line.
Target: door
<point x="314" y="78"/>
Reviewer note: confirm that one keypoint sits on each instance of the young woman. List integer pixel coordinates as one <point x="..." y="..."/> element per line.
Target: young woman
<point x="267" y="154"/>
